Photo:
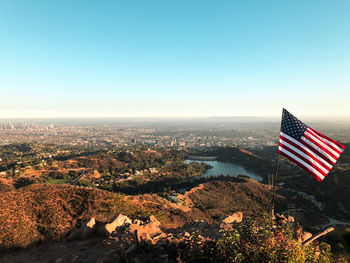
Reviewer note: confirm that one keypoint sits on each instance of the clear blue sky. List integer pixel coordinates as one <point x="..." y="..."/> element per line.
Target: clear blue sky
<point x="174" y="58"/>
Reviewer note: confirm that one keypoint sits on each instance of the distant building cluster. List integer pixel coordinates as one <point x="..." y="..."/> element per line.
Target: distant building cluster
<point x="25" y="126"/>
<point x="102" y="136"/>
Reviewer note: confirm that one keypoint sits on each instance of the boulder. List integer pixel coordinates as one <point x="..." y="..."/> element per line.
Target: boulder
<point x="151" y="227"/>
<point x="235" y="217"/>
<point x="88" y="227"/>
<point x="145" y="236"/>
<point x="154" y="220"/>
<point x="160" y="236"/>
<point x="301" y="235"/>
<point x="305" y="236"/>
<point x="84" y="231"/>
<point x="186" y="234"/>
<point x="119" y="221"/>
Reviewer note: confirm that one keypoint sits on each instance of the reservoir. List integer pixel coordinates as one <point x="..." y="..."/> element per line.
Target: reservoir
<point x="221" y="168"/>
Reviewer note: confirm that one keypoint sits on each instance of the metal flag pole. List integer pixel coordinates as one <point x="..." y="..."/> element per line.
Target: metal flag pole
<point x="274" y="179"/>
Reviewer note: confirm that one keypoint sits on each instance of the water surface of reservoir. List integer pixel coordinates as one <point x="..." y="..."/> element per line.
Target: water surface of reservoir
<point x="221" y="168"/>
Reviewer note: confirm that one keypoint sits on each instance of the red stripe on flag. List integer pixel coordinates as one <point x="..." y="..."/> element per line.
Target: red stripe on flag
<point x="306" y="152"/>
<point x="322" y="155"/>
<point x="320" y="146"/>
<point x="331" y="145"/>
<point x="303" y="158"/>
<point x="329" y="139"/>
<point x="301" y="165"/>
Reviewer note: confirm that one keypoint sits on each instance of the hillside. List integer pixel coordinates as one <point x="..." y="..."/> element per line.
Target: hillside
<point x="38" y="212"/>
<point x="234" y="239"/>
<point x="37" y="219"/>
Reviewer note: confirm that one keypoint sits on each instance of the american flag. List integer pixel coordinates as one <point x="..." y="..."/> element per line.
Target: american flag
<point x="306" y="147"/>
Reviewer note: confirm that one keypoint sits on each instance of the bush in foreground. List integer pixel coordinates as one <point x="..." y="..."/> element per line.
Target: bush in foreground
<point x="256" y="241"/>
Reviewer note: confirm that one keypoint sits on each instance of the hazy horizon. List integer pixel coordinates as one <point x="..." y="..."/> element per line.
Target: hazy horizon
<point x="189" y="118"/>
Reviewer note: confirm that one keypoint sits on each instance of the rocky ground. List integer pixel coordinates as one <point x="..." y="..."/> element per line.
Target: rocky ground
<point x="63" y="223"/>
<point x="124" y="240"/>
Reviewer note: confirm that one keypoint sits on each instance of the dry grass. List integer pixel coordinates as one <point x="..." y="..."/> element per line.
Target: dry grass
<point x="38" y="212"/>
<point x="217" y="199"/>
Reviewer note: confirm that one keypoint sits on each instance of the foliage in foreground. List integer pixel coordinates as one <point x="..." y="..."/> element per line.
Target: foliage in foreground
<point x="256" y="241"/>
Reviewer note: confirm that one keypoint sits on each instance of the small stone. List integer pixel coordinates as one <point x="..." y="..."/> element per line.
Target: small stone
<point x="235" y="217"/>
<point x="306" y="236"/>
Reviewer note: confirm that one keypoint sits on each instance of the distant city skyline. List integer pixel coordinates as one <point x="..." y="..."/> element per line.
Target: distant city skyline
<point x="90" y="59"/>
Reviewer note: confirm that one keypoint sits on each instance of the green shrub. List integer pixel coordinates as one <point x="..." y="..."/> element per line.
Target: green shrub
<point x="256" y="241"/>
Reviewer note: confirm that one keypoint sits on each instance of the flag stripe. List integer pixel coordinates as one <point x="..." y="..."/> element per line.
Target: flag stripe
<point x="330" y="144"/>
<point x="308" y="154"/>
<point x="305" y="149"/>
<point x="304" y="157"/>
<point x="329" y="141"/>
<point x="301" y="163"/>
<point x="319" y="150"/>
<point x="335" y="152"/>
